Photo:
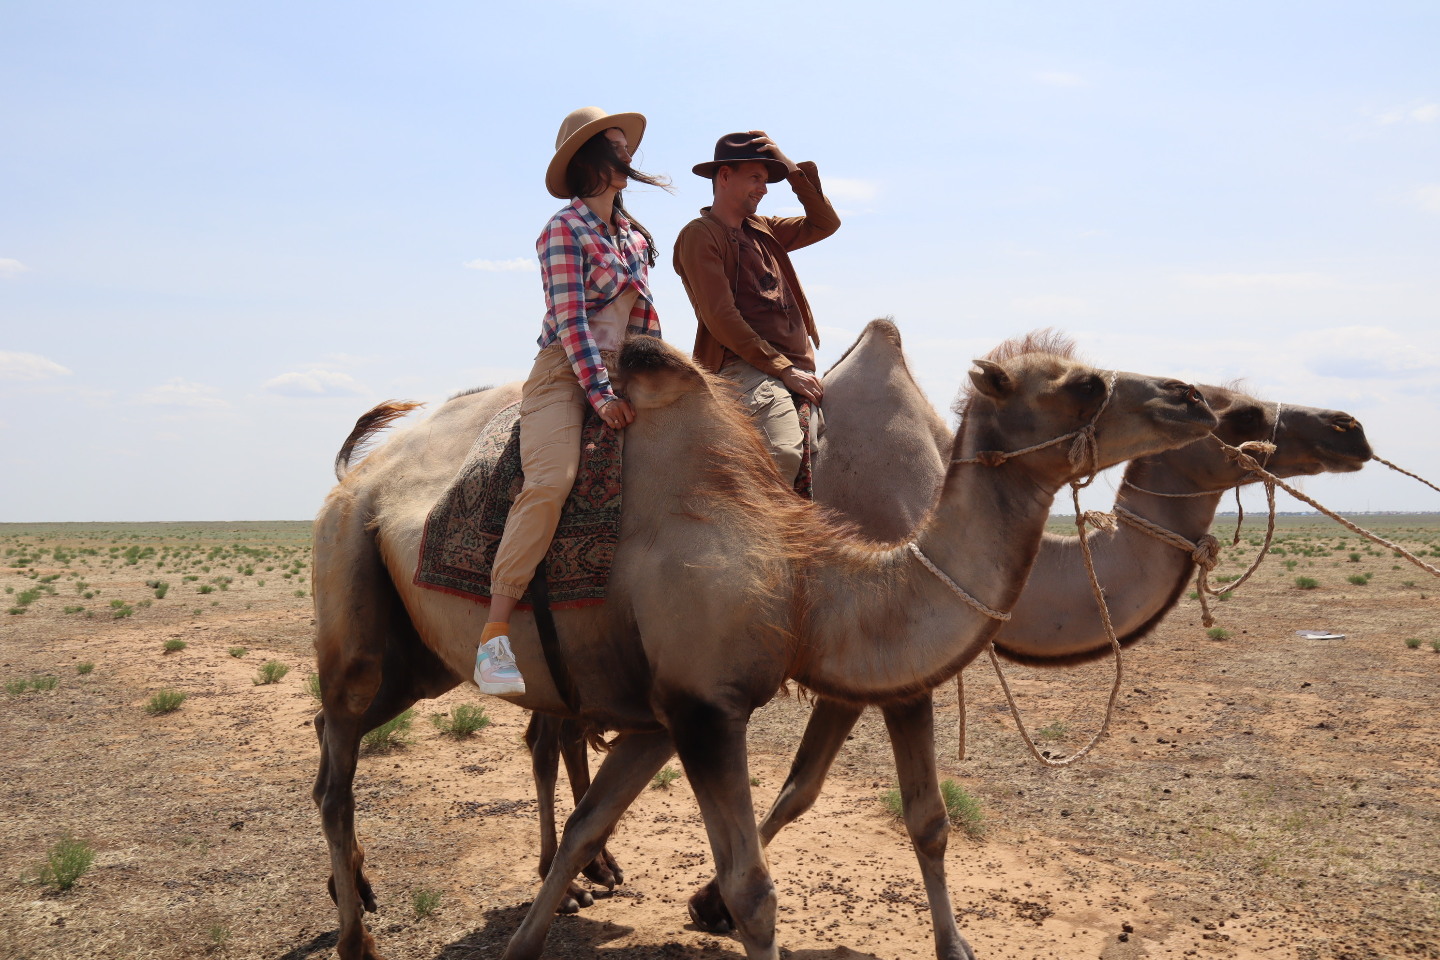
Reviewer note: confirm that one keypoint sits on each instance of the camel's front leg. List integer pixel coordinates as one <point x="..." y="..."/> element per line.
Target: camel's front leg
<point x="712" y="746"/>
<point x="830" y="723"/>
<point x="623" y="774"/>
<point x="912" y="737"/>
<point x="544" y="738"/>
<point x="603" y="869"/>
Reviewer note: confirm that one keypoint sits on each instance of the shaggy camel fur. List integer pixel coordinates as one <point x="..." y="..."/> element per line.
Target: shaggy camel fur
<point x="711" y="561"/>
<point x="1055" y="622"/>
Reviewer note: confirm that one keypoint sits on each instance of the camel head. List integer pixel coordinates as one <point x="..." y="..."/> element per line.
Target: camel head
<point x="652" y="374"/>
<point x="1031" y="391"/>
<point x="1307" y="441"/>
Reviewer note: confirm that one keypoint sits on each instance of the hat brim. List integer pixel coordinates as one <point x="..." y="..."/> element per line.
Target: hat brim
<point x="777" y="171"/>
<point x="633" y="126"/>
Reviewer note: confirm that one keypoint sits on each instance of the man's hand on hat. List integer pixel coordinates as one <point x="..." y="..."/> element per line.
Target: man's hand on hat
<point x="763" y="144"/>
<point x="804" y="383"/>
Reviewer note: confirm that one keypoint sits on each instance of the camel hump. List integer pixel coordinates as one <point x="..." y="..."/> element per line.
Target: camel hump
<point x="367" y="428"/>
<point x="656" y="374"/>
<point x="883" y="327"/>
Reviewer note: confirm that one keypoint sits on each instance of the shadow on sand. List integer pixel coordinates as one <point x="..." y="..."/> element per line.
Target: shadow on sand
<point x="576" y="937"/>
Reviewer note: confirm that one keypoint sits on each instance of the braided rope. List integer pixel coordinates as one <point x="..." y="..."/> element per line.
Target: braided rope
<point x="1404" y="471"/>
<point x="955" y="588"/>
<point x="1245" y="460"/>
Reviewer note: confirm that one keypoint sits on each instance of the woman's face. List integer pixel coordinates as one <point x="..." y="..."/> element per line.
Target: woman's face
<point x="621" y="146"/>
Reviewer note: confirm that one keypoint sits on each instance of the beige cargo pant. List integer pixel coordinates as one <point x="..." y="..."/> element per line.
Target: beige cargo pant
<point x="772" y="407"/>
<point x="552" y="409"/>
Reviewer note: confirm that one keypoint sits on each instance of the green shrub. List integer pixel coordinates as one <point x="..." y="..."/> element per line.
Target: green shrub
<point x="1306" y="583"/>
<point x="44" y="683"/>
<point x="1413" y="643"/>
<point x="74" y="609"/>
<point x="165" y="701"/>
<point x="424" y="902"/>
<point x="237" y="652"/>
<point x="1218" y="633"/>
<point x="205" y="588"/>
<point x="16" y="687"/>
<point x="271" y="671"/>
<point x="1052" y="731"/>
<point x="161" y="589"/>
<point x="175" y="646"/>
<point x="663" y="779"/>
<point x="962" y="808"/>
<point x="462" y="721"/>
<point x="390" y="734"/>
<point x="312" y="685"/>
<point x="84" y="668"/>
<point x="66" y="862"/>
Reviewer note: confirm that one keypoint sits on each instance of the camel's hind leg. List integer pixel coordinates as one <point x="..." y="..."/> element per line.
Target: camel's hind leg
<point x="623" y="774"/>
<point x="830" y="723"/>
<point x="549" y="738"/>
<point x="912" y="737"/>
<point x="372" y="667"/>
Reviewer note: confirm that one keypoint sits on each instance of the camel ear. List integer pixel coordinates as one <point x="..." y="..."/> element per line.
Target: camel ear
<point x="991" y="379"/>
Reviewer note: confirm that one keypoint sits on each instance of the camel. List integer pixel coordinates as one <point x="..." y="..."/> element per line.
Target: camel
<point x="1055" y="623"/>
<point x="722" y="588"/>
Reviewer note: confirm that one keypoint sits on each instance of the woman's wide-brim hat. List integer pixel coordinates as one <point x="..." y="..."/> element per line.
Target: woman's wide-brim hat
<point x="580" y="126"/>
<point x="736" y="148"/>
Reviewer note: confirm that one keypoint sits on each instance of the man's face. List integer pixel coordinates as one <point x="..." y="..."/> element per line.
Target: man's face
<point x="744" y="184"/>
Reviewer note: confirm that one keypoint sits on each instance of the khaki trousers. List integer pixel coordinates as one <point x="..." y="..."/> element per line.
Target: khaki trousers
<point x="772" y="407"/>
<point x="552" y="408"/>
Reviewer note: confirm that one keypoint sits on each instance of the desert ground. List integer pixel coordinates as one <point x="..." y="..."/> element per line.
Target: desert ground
<point x="1260" y="794"/>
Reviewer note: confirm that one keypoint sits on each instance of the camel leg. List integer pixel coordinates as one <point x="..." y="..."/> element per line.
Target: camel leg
<point x="547" y="736"/>
<point x="712" y="747"/>
<point x="912" y="737"/>
<point x="603" y="869"/>
<point x="830" y="724"/>
<point x="634" y="760"/>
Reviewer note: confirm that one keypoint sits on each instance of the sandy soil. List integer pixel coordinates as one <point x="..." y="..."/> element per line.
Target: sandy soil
<point x="1260" y="796"/>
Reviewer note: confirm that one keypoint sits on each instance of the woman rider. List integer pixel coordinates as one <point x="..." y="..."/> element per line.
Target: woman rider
<point x="594" y="264"/>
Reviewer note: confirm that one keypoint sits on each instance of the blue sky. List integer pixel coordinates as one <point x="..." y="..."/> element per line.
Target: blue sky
<point x="226" y="231"/>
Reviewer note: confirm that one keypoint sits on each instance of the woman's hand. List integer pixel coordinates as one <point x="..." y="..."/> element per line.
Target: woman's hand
<point x="617" y="413"/>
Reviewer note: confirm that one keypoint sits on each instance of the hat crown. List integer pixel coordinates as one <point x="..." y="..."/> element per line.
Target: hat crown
<point x="574" y="121"/>
<point x="737" y="147"/>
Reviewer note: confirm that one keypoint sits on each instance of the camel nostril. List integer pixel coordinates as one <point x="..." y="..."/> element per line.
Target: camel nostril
<point x="1195" y="396"/>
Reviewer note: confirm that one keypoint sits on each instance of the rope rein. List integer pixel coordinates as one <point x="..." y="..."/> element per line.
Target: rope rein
<point x="1404" y="471"/>
<point x="1085" y="449"/>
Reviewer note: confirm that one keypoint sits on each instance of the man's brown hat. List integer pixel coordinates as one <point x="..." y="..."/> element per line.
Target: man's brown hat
<point x="580" y="126"/>
<point x="736" y="148"/>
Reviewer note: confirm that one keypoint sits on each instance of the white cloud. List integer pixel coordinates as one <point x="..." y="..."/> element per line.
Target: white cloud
<point x="844" y="190"/>
<point x="29" y="366"/>
<point x="1417" y="113"/>
<point x="11" y="268"/>
<point x="1059" y="78"/>
<point x="1251" y="281"/>
<point x="179" y="392"/>
<point x="313" y="383"/>
<point x="1428" y="197"/>
<point x="517" y="265"/>
<point x="1365" y="353"/>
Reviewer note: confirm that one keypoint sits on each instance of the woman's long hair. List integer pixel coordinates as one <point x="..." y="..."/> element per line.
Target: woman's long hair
<point x="589" y="173"/>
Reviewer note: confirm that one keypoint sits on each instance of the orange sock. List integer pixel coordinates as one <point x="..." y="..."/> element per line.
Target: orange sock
<point x="494" y="629"/>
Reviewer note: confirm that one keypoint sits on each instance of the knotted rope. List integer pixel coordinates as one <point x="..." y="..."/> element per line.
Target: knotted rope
<point x="1245" y="460"/>
<point x="1084" y="450"/>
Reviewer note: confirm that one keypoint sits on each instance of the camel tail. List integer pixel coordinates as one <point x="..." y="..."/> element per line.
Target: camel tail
<point x="366" y="428"/>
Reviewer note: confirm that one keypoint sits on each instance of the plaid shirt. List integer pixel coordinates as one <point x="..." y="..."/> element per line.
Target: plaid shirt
<point x="583" y="272"/>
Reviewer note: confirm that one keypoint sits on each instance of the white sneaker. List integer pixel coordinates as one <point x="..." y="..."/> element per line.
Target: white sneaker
<point x="495" y="670"/>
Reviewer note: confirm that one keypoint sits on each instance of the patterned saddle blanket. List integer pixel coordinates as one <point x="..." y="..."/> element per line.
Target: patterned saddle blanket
<point x="464" y="527"/>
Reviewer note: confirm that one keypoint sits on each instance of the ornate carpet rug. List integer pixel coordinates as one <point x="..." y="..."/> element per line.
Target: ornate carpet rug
<point x="464" y="528"/>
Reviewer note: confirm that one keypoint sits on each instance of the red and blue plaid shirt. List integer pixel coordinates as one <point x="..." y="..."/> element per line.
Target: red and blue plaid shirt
<point x="582" y="272"/>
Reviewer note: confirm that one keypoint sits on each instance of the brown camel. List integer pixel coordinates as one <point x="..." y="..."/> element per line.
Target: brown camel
<point x="722" y="587"/>
<point x="1055" y="622"/>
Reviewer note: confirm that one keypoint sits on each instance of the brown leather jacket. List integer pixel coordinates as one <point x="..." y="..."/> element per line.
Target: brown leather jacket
<point x="706" y="259"/>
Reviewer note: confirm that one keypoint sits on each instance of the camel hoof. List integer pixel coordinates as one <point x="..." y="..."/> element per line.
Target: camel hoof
<point x="708" y="911"/>
<point x="568" y="906"/>
<point x="604" y="871"/>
